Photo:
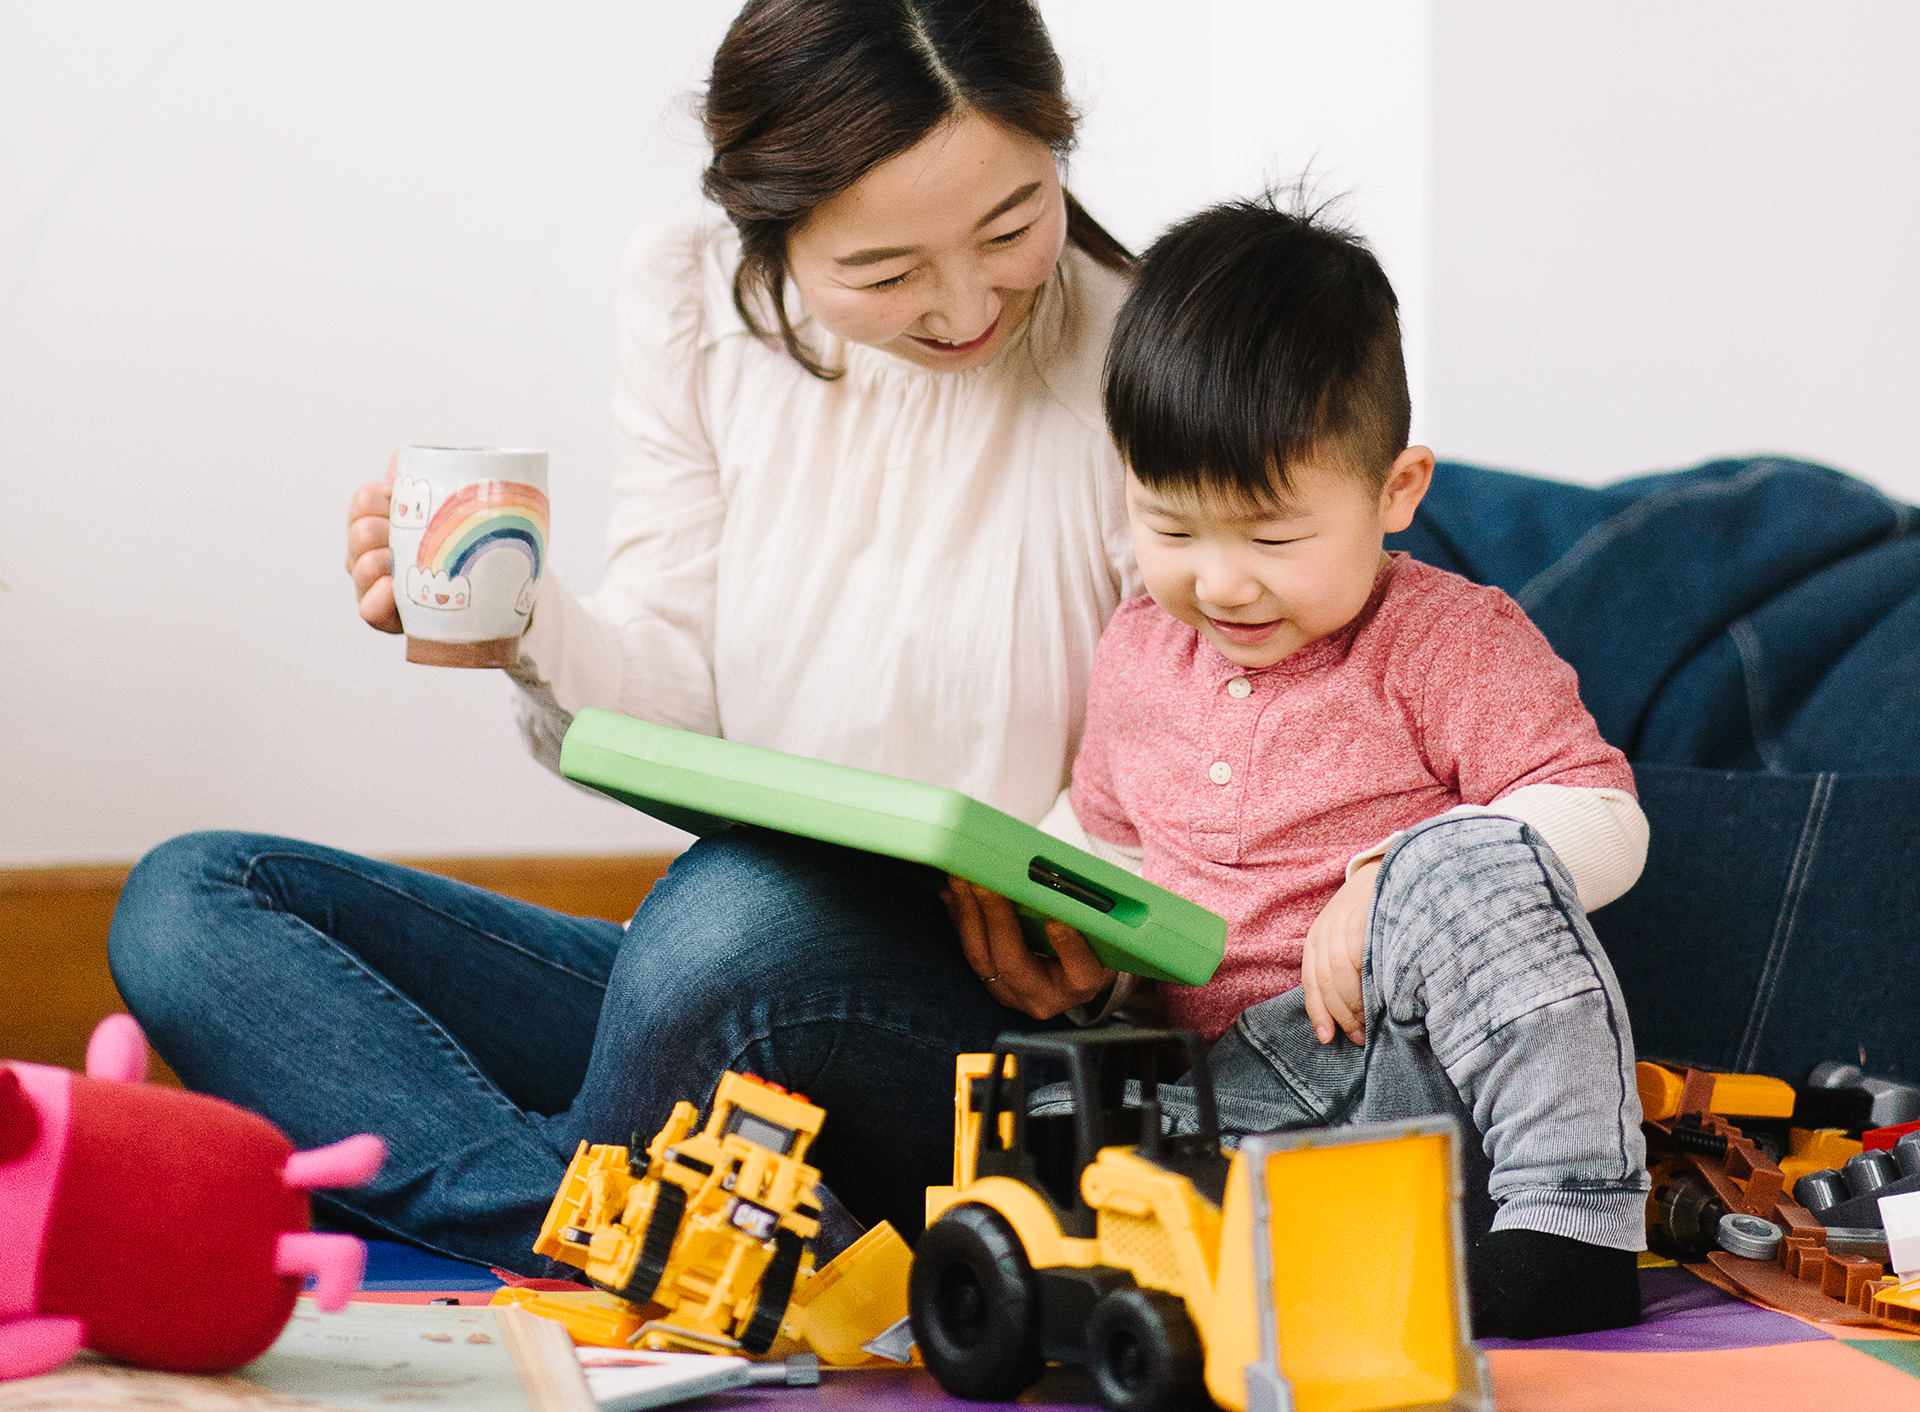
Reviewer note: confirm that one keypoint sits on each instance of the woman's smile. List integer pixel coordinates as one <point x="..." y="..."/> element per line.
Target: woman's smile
<point x="958" y="350"/>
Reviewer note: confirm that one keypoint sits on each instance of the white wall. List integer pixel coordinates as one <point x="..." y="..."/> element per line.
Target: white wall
<point x="1666" y="232"/>
<point x="1236" y="95"/>
<point x="246" y="249"/>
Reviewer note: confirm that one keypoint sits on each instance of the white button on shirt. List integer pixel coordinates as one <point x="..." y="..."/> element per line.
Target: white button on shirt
<point x="1220" y="772"/>
<point x="1240" y="688"/>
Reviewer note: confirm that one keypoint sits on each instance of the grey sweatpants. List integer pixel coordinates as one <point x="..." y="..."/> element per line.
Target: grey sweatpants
<point x="1487" y="998"/>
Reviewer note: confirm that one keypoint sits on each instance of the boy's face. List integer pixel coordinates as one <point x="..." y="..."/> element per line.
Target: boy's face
<point x="1261" y="583"/>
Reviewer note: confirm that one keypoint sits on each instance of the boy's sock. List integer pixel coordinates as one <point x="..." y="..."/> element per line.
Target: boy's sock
<point x="1528" y="1284"/>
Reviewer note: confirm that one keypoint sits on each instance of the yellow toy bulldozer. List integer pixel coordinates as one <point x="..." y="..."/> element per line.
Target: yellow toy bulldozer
<point x="1320" y="1270"/>
<point x="707" y="1225"/>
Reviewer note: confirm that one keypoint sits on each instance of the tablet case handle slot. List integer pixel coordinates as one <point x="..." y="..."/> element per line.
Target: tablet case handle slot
<point x="1127" y="910"/>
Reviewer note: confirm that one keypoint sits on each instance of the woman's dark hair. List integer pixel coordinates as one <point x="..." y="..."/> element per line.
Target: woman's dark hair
<point x="807" y="96"/>
<point x="1255" y="338"/>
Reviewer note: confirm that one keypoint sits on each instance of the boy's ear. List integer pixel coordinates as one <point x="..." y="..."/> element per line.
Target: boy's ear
<point x="1406" y="483"/>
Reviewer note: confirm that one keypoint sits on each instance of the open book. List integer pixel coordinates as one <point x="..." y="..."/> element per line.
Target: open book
<point x="368" y="1357"/>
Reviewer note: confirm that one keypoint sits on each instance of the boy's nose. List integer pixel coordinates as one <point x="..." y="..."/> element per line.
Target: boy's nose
<point x="1224" y="585"/>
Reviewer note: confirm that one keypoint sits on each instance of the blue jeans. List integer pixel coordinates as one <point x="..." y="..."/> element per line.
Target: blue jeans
<point x="484" y="1038"/>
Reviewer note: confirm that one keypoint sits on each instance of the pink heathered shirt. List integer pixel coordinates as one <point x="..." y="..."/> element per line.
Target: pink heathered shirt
<point x="1250" y="799"/>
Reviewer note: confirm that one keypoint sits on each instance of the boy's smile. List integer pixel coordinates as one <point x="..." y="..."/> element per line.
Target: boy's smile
<point x="1261" y="582"/>
<point x="1246" y="634"/>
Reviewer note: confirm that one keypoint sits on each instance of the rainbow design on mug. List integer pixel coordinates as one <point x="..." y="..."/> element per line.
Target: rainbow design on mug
<point x="482" y="517"/>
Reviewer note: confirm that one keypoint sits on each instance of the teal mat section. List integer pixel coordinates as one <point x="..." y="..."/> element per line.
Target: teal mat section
<point x="1902" y="1353"/>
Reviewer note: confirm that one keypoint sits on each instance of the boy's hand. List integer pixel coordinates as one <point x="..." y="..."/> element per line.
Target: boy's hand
<point x="369" y="559"/>
<point x="996" y="948"/>
<point x="1336" y="949"/>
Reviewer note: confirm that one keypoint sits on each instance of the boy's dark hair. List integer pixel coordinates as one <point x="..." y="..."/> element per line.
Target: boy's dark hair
<point x="1255" y="339"/>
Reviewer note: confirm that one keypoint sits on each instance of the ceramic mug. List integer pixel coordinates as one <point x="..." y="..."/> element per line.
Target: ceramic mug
<point x="468" y="528"/>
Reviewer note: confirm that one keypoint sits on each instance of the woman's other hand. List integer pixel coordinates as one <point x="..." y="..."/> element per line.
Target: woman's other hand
<point x="1335" y="952"/>
<point x="369" y="559"/>
<point x="996" y="948"/>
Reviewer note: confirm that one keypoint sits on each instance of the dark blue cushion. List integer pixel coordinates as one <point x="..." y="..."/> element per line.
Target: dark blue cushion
<point x="1759" y="614"/>
<point x="1748" y="633"/>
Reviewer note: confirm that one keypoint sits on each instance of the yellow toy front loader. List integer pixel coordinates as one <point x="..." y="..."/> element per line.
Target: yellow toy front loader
<point x="1320" y="1270"/>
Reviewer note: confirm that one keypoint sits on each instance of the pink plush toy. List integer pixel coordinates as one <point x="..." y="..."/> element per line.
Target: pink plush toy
<point x="160" y="1227"/>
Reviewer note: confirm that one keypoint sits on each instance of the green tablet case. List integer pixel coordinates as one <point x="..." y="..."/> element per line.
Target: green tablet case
<point x="701" y="784"/>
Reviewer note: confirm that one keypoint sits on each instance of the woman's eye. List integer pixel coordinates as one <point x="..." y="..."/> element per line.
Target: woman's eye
<point x="1011" y="235"/>
<point x="891" y="282"/>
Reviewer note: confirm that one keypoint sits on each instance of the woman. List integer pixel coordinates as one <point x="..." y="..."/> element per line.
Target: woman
<point x="867" y="511"/>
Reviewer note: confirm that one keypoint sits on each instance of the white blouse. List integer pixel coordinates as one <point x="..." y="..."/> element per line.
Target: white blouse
<point x="901" y="570"/>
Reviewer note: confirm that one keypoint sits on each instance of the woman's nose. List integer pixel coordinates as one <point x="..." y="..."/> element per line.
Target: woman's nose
<point x="964" y="307"/>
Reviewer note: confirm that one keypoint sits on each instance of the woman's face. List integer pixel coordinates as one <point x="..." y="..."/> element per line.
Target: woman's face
<point x="935" y="255"/>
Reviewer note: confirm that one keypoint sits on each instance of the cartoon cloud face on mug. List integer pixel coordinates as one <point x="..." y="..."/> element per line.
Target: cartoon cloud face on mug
<point x="468" y="527"/>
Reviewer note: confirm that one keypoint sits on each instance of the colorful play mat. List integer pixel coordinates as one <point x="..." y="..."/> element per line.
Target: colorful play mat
<point x="1699" y="1349"/>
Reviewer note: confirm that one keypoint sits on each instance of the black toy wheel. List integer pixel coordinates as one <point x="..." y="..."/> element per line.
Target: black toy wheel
<point x="1144" y="1353"/>
<point x="975" y="1306"/>
<point x="656" y="1245"/>
<point x="776" y="1288"/>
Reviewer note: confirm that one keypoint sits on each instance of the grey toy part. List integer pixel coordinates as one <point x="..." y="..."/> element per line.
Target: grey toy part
<point x="1856" y="1189"/>
<point x="1894" y="1100"/>
<point x="1868" y="1243"/>
<point x="1749" y="1236"/>
<point x="797" y="1370"/>
<point x="1906" y="1155"/>
<point x="1821" y="1191"/>
<point x="893" y="1343"/>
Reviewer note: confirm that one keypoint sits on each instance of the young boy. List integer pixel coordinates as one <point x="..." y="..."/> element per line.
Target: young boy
<point x="1378" y="772"/>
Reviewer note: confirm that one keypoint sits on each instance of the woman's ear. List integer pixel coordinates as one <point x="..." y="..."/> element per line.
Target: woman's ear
<point x="1406" y="483"/>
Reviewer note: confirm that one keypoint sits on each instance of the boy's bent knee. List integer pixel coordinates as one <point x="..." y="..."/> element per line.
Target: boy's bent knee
<point x="1460" y="859"/>
<point x="1475" y="923"/>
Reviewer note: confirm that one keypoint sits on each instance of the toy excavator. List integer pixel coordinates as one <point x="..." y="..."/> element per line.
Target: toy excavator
<point x="1319" y="1270"/>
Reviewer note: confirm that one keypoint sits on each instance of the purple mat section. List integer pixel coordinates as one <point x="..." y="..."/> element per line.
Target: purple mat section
<point x="1684" y="1314"/>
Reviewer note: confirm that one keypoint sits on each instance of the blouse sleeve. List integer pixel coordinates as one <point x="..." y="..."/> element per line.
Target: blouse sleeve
<point x="642" y="643"/>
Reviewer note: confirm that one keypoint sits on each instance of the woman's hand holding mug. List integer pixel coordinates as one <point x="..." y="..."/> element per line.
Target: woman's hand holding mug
<point x="449" y="547"/>
<point x="369" y="559"/>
